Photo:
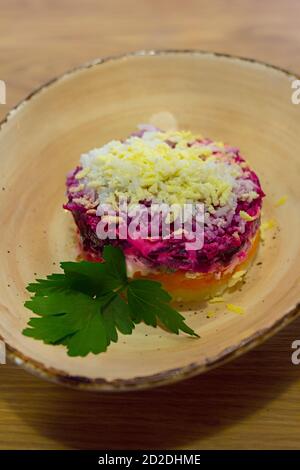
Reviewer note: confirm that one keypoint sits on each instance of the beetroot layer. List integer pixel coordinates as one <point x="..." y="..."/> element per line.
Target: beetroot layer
<point x="219" y="250"/>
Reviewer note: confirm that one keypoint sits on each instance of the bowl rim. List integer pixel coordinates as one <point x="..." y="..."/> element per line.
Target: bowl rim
<point x="168" y="376"/>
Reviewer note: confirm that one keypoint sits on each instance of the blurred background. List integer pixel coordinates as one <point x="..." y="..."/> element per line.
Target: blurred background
<point x="250" y="403"/>
<point x="42" y="38"/>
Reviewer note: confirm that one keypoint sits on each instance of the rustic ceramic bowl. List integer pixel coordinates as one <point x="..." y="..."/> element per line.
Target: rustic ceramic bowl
<point x="245" y="103"/>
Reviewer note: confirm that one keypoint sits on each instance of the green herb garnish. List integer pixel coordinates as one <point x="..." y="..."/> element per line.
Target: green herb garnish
<point x="85" y="307"/>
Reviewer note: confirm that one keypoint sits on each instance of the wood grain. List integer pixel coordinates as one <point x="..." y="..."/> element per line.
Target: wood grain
<point x="251" y="403"/>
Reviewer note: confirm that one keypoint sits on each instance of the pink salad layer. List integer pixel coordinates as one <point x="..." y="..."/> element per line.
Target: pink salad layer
<point x="227" y="235"/>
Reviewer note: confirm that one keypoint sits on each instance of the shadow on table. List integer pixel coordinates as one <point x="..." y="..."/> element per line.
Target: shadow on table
<point x="167" y="417"/>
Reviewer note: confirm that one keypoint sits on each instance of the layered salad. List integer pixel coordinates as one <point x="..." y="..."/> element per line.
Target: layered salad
<point x="154" y="168"/>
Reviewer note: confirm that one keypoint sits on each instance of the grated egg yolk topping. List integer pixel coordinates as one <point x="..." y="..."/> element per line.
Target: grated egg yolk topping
<point x="169" y="167"/>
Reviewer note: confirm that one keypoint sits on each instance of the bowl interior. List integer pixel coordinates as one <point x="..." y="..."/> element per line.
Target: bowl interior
<point x="241" y="102"/>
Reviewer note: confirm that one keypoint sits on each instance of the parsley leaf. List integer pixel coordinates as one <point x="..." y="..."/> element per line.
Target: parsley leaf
<point x="84" y="276"/>
<point x="54" y="283"/>
<point x="116" y="315"/>
<point x="62" y="315"/>
<point x="150" y="303"/>
<point x="79" y="322"/>
<point x="85" y="307"/>
<point x="102" y="277"/>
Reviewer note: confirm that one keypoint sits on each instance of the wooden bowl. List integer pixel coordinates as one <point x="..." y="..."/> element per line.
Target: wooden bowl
<point x="242" y="102"/>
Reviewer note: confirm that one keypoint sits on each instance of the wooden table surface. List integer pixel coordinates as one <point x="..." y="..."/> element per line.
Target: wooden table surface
<point x="253" y="402"/>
